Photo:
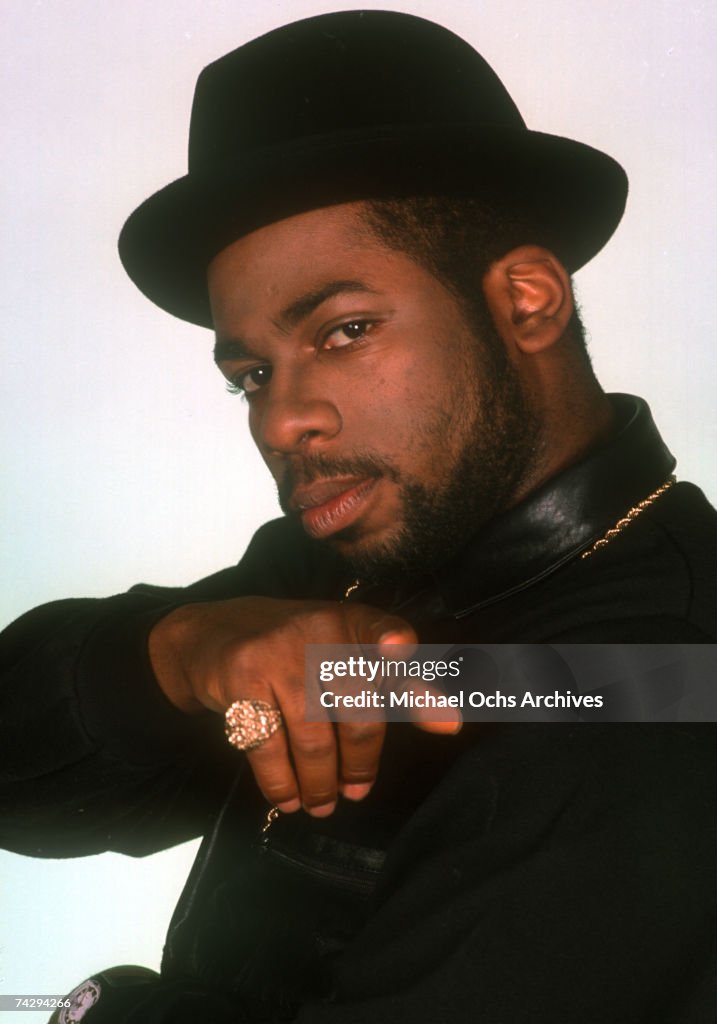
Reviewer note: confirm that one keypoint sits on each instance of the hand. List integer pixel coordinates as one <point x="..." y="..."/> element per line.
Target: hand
<point x="252" y="648"/>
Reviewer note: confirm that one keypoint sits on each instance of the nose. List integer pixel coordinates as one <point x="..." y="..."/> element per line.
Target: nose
<point x="292" y="417"/>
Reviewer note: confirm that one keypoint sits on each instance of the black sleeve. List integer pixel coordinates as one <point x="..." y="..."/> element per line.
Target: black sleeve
<point x="94" y="757"/>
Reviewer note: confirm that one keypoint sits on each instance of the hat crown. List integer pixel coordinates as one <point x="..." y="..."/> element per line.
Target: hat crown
<point x="339" y="73"/>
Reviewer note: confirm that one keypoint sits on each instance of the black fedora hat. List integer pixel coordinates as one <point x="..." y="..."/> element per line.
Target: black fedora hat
<point x="348" y="106"/>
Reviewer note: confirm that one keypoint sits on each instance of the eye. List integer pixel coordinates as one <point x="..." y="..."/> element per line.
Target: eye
<point x="250" y="381"/>
<point x="348" y="333"/>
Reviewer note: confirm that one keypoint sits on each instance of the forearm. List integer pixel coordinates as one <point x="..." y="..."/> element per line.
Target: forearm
<point x="92" y="735"/>
<point x="94" y="756"/>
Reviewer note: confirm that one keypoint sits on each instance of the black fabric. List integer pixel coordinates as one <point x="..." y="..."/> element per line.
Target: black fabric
<point x="542" y="873"/>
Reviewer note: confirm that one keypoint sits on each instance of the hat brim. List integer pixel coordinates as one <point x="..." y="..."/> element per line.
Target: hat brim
<point x="576" y="195"/>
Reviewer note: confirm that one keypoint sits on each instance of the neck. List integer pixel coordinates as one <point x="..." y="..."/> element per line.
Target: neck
<point x="572" y="426"/>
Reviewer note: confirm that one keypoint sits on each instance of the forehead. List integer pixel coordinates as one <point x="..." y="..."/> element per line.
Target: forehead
<point x="288" y="247"/>
<point x="278" y="265"/>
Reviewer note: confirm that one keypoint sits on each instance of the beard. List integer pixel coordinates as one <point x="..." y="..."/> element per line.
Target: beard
<point x="493" y="430"/>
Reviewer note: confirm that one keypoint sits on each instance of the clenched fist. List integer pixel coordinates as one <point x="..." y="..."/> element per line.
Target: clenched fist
<point x="252" y="648"/>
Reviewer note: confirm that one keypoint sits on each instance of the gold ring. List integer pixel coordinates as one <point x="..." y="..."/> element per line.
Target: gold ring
<point x="249" y="723"/>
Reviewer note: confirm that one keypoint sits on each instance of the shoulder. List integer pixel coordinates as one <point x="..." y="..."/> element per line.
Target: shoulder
<point x="654" y="582"/>
<point x="660" y="573"/>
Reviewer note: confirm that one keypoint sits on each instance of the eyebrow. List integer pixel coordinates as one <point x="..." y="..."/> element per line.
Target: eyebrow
<point x="305" y="305"/>
<point x="226" y="349"/>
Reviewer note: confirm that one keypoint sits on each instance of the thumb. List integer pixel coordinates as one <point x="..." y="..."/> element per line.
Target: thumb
<point x="374" y="626"/>
<point x="397" y="640"/>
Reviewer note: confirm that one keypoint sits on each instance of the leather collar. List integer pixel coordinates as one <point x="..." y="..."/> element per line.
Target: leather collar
<point x="553" y="525"/>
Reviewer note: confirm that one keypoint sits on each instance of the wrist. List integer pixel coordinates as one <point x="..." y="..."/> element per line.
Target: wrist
<point x="169" y="642"/>
<point x="121" y="705"/>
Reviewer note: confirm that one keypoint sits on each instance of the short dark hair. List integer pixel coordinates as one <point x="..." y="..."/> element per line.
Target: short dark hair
<point x="458" y="239"/>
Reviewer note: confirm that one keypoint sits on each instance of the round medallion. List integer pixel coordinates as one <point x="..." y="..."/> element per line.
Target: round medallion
<point x="81" y="999"/>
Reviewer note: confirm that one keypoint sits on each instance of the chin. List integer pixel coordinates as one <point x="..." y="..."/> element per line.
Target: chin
<point x="354" y="549"/>
<point x="381" y="560"/>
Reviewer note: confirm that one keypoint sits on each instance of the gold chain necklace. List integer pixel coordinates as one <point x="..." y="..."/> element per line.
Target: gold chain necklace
<point x="629" y="517"/>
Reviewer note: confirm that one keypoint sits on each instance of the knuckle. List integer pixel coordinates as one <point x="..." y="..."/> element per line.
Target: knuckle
<point x="240" y="659"/>
<point x="362" y="734"/>
<point x="278" y="792"/>
<point x="319" y="797"/>
<point x="350" y="774"/>
<point x="312" y="748"/>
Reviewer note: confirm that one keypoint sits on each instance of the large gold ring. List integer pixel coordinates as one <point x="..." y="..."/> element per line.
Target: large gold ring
<point x="249" y="723"/>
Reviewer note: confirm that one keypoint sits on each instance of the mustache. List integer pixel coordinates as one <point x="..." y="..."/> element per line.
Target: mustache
<point x="306" y="469"/>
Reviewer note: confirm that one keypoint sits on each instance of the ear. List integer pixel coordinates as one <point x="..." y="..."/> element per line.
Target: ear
<point x="529" y="296"/>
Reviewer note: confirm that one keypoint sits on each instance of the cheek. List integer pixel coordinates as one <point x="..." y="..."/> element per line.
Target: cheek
<point x="436" y="424"/>
<point x="384" y="416"/>
<point x="408" y="428"/>
<point x="254" y="420"/>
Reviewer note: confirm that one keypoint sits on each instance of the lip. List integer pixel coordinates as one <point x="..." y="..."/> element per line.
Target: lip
<point x="327" y="506"/>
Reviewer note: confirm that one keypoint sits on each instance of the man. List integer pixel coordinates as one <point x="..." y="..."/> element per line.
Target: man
<point x="386" y="265"/>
